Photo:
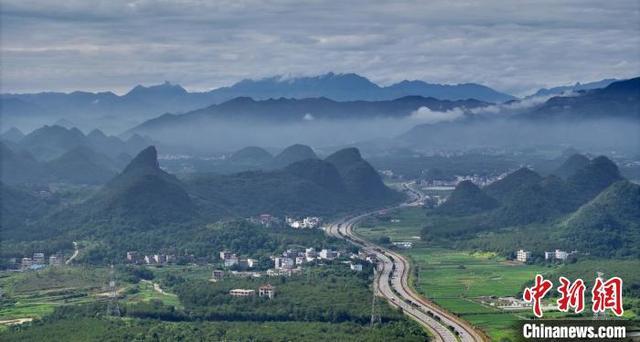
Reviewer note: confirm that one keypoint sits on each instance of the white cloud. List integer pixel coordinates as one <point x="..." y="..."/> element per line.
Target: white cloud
<point x="206" y="44"/>
<point x="426" y="115"/>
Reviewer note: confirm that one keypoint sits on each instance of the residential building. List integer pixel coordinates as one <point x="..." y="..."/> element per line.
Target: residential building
<point x="226" y="255"/>
<point x="356" y="267"/>
<point x="549" y="255"/>
<point x="523" y="255"/>
<point x="231" y="261"/>
<point x="242" y="293"/>
<point x="132" y="256"/>
<point x="38" y="259"/>
<point x="56" y="260"/>
<point x="267" y="291"/>
<point x="561" y="255"/>
<point x="310" y="254"/>
<point x="284" y="263"/>
<point x="26" y="262"/>
<point x="300" y="260"/>
<point x="328" y="254"/>
<point x="217" y="275"/>
<point x="251" y="263"/>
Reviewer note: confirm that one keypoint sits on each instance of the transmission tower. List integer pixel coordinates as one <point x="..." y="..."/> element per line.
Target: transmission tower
<point x="375" y="315"/>
<point x="113" y="309"/>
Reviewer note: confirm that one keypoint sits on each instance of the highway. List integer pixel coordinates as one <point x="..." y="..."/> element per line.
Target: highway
<point x="392" y="281"/>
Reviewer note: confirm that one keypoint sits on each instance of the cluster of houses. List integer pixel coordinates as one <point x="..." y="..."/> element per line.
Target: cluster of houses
<point x="308" y="222"/>
<point x="151" y="259"/>
<point x="231" y="259"/>
<point x="37" y="261"/>
<point x="270" y="221"/>
<point x="443" y="184"/>
<point x="524" y="256"/>
<point x="266" y="290"/>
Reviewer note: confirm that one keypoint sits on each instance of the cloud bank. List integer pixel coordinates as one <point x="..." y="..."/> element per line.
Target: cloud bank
<point x="512" y="46"/>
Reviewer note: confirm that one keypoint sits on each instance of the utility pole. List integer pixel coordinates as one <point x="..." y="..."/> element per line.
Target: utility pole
<point x="113" y="309"/>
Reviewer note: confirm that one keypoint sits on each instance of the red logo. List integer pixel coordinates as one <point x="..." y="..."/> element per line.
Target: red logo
<point x="604" y="295"/>
<point x="536" y="293"/>
<point x="571" y="295"/>
<point x="607" y="295"/>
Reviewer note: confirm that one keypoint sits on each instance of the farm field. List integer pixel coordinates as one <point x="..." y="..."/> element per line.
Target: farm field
<point x="455" y="279"/>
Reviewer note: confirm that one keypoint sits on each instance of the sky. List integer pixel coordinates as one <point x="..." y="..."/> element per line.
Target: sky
<point x="512" y="46"/>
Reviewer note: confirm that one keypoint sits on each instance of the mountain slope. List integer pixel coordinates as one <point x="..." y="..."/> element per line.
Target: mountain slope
<point x="572" y="165"/>
<point x="467" y="199"/>
<point x="608" y="223"/>
<point x="359" y="177"/>
<point x="504" y="188"/>
<point x="593" y="178"/>
<point x="82" y="165"/>
<point x="141" y="197"/>
<point x="292" y="154"/>
<point x="251" y="155"/>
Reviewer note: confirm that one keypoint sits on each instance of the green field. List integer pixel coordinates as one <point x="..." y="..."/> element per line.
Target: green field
<point x="406" y="228"/>
<point x="454" y="279"/>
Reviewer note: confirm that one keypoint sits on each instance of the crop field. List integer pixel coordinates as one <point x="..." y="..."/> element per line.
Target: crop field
<point x="454" y="279"/>
<point x="401" y="225"/>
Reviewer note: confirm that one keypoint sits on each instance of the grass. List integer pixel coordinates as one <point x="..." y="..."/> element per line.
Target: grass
<point x="407" y="228"/>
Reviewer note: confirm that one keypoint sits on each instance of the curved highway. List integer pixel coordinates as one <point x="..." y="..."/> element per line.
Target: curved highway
<point x="392" y="281"/>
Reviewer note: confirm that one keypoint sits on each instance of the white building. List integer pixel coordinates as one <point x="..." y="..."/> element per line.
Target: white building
<point x="225" y="255"/>
<point x="284" y="263"/>
<point x="251" y="263"/>
<point x="356" y="267"/>
<point x="267" y="291"/>
<point x="523" y="255"/>
<point x="231" y="261"/>
<point x="549" y="255"/>
<point x="242" y="293"/>
<point x="38" y="259"/>
<point x="561" y="255"/>
<point x="328" y="254"/>
<point x="310" y="254"/>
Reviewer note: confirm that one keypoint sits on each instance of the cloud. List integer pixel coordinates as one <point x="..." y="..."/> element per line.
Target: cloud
<point x="308" y="117"/>
<point x="100" y="45"/>
<point x="426" y="115"/>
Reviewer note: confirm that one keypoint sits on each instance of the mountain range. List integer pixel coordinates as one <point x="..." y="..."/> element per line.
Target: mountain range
<point x="145" y="198"/>
<point x="117" y="112"/>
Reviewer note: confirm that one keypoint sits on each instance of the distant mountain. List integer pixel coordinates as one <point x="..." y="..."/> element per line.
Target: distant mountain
<point x="359" y="177"/>
<point x="252" y="155"/>
<point x="619" y="100"/>
<point x="81" y="165"/>
<point x="536" y="202"/>
<point x="49" y="142"/>
<point x="467" y="199"/>
<point x="20" y="167"/>
<point x="594" y="177"/>
<point x="108" y="110"/>
<point x="245" y="110"/>
<point x="141" y="197"/>
<point x="319" y="172"/>
<point x="573" y="88"/>
<point x="12" y="135"/>
<point x="292" y="154"/>
<point x="353" y="87"/>
<point x="572" y="165"/>
<point x="306" y="187"/>
<point x="504" y="188"/>
<point x="609" y="224"/>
